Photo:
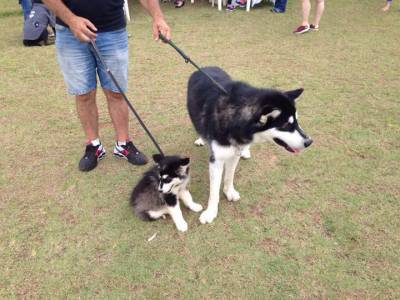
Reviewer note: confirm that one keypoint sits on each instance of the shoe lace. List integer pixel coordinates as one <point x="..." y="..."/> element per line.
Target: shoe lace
<point x="131" y="148"/>
<point x="90" y="149"/>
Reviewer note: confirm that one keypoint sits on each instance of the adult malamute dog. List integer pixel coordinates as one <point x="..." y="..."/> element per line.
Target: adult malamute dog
<point x="230" y="123"/>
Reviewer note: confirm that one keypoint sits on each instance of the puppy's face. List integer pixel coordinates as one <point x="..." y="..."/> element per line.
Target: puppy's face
<point x="168" y="182"/>
<point x="173" y="172"/>
<point x="279" y="124"/>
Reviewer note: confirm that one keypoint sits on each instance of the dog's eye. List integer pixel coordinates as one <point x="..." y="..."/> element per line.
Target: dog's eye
<point x="167" y="179"/>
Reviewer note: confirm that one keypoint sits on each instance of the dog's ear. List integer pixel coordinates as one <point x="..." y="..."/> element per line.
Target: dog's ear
<point x="157" y="158"/>
<point x="185" y="161"/>
<point x="294" y="94"/>
<point x="274" y="113"/>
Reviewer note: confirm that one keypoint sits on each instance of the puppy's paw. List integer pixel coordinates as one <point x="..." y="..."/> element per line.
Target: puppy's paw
<point x="196" y="207"/>
<point x="208" y="216"/>
<point x="199" y="142"/>
<point x="245" y="154"/>
<point x="232" y="194"/>
<point x="182" y="226"/>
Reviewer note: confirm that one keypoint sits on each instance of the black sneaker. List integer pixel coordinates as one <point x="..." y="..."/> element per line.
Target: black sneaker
<point x="130" y="153"/>
<point x="92" y="155"/>
<point x="277" y="10"/>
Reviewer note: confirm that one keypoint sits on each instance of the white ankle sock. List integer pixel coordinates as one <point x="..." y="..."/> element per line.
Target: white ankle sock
<point x="95" y="142"/>
<point x="121" y="143"/>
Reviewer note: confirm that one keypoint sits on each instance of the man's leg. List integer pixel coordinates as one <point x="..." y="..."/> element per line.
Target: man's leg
<point x="113" y="46"/>
<point x="118" y="110"/>
<point x="305" y="8"/>
<point x="319" y="11"/>
<point x="79" y="69"/>
<point x="86" y="108"/>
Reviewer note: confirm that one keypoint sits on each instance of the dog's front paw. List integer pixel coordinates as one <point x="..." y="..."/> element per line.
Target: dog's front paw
<point x="199" y="142"/>
<point x="208" y="216"/>
<point x="182" y="226"/>
<point x="196" y="207"/>
<point x="232" y="194"/>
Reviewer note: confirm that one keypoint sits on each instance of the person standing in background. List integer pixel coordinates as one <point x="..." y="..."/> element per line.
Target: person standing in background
<point x="39" y="28"/>
<point x="387" y="6"/>
<point x="26" y="7"/>
<point x="306" y="7"/>
<point x="279" y="6"/>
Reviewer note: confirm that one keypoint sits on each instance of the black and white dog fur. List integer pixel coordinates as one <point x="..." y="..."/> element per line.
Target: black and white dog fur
<point x="158" y="192"/>
<point x="230" y="123"/>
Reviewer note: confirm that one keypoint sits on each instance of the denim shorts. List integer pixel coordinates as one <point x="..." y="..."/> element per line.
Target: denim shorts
<point x="80" y="66"/>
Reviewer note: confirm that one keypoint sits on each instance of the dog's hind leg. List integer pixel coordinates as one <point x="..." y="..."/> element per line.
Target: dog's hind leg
<point x="199" y="142"/>
<point x="156" y="214"/>
<point x="216" y="168"/>
<point x="230" y="167"/>
<point x="187" y="199"/>
<point x="245" y="152"/>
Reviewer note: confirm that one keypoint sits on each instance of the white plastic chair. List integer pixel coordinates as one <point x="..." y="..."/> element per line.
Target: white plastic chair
<point x="219" y="3"/>
<point x="248" y="3"/>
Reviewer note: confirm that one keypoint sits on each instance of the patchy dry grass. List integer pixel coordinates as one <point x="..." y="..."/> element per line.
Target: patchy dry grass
<point x="324" y="224"/>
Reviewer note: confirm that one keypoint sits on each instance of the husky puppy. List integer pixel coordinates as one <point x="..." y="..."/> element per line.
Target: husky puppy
<point x="230" y="123"/>
<point x="161" y="187"/>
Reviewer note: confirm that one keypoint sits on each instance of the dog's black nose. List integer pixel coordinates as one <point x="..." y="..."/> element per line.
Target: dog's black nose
<point x="308" y="142"/>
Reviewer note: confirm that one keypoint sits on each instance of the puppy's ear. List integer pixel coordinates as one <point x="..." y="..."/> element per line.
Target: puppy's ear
<point x="294" y="94"/>
<point x="185" y="161"/>
<point x="157" y="158"/>
<point x="274" y="113"/>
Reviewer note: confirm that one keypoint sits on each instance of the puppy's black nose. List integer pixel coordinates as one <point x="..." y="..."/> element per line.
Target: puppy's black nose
<point x="308" y="142"/>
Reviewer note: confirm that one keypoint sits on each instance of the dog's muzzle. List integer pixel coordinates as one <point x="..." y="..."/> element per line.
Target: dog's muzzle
<point x="307" y="143"/>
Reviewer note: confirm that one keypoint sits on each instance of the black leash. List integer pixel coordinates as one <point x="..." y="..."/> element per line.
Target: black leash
<point x="187" y="59"/>
<point x="100" y="58"/>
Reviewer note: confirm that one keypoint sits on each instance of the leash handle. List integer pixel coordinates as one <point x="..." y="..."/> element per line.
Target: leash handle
<point x="187" y="59"/>
<point x="100" y="58"/>
<point x="167" y="41"/>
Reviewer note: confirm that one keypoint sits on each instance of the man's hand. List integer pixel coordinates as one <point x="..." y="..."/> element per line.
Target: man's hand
<point x="160" y="26"/>
<point x="82" y="28"/>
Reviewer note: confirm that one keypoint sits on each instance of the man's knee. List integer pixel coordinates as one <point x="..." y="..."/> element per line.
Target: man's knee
<point x="86" y="98"/>
<point x="113" y="96"/>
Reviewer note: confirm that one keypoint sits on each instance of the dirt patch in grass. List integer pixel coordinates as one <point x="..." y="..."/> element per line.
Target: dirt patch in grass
<point x="271" y="246"/>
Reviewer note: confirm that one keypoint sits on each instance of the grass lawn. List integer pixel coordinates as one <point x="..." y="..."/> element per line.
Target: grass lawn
<point x="323" y="224"/>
